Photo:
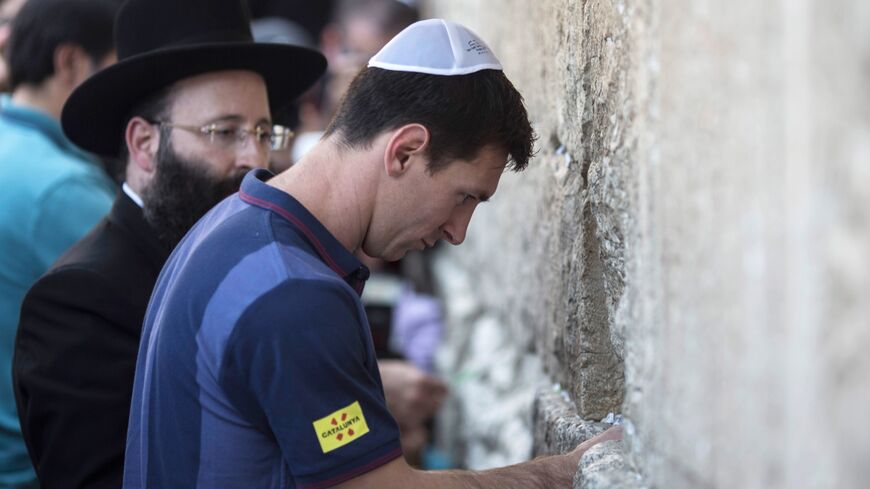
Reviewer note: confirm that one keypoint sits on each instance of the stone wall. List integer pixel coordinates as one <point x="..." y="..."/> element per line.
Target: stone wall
<point x="690" y="247"/>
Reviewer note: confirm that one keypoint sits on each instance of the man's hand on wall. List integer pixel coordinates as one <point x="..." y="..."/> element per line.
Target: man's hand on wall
<point x="612" y="433"/>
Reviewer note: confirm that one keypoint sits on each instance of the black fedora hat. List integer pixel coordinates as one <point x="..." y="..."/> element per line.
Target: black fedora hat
<point x="160" y="42"/>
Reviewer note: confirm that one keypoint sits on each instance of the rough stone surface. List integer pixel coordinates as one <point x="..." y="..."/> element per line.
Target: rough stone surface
<point x="692" y="244"/>
<point x="557" y="427"/>
<point x="604" y="467"/>
<point x="559" y="278"/>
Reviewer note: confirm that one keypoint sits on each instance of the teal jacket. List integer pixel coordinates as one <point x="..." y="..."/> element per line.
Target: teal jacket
<point x="51" y="194"/>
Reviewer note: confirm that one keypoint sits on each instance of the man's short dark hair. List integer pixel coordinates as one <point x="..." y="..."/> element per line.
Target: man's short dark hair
<point x="43" y="25"/>
<point x="462" y="113"/>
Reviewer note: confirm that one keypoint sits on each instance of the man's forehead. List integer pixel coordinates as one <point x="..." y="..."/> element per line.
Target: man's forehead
<point x="219" y="93"/>
<point x="480" y="175"/>
<point x="491" y="157"/>
<point x="239" y="80"/>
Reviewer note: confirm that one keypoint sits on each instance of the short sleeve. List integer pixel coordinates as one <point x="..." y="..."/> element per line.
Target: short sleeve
<point x="66" y="213"/>
<point x="300" y="363"/>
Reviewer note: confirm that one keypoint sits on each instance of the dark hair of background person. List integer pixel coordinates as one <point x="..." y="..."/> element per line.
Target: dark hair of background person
<point x="43" y="25"/>
<point x="462" y="113"/>
<point x="313" y="15"/>
<point x="390" y="16"/>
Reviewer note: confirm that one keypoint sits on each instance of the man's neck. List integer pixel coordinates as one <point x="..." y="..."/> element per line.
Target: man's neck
<point x="43" y="98"/>
<point x="337" y="186"/>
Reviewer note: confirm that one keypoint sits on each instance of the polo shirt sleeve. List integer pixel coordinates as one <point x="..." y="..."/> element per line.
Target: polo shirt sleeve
<point x="299" y="364"/>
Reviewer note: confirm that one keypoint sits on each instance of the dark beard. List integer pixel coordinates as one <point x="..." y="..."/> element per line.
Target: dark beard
<point x="181" y="192"/>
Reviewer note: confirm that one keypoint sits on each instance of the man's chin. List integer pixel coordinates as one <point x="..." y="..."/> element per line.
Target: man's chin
<point x="394" y="255"/>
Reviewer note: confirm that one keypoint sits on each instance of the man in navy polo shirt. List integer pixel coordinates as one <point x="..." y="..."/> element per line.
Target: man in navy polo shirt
<point x="256" y="367"/>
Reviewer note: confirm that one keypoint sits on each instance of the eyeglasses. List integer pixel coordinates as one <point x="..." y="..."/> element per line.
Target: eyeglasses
<point x="227" y="135"/>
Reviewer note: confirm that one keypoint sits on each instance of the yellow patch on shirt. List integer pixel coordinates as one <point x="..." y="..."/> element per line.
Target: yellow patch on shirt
<point x="341" y="427"/>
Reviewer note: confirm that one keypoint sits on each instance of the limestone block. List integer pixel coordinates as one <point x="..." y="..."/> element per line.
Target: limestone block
<point x="553" y="248"/>
<point x="604" y="467"/>
<point x="558" y="428"/>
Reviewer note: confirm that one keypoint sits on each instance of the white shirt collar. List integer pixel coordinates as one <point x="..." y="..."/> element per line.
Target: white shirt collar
<point x="133" y="195"/>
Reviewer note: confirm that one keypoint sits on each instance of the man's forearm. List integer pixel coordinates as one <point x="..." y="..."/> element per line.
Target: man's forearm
<point x="555" y="472"/>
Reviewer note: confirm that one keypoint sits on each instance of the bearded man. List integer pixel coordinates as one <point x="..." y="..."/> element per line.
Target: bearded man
<point x="187" y="108"/>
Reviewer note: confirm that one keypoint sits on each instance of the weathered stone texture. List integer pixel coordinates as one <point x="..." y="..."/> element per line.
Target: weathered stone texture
<point x="558" y="428"/>
<point x="692" y="244"/>
<point x="604" y="467"/>
<point x="558" y="281"/>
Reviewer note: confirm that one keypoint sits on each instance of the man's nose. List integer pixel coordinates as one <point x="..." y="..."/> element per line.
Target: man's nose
<point x="455" y="228"/>
<point x="251" y="154"/>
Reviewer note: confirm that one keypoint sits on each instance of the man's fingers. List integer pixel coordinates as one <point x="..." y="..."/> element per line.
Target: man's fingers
<point x="612" y="433"/>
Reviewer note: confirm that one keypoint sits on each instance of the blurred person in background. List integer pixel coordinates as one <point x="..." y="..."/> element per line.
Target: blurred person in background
<point x="312" y="16"/>
<point x="358" y="30"/>
<point x="8" y="10"/>
<point x="189" y="119"/>
<point x="53" y="192"/>
<point x="283" y="31"/>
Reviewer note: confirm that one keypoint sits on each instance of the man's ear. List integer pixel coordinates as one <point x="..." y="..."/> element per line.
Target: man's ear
<point x="64" y="61"/>
<point x="143" y="140"/>
<point x="72" y="65"/>
<point x="407" y="143"/>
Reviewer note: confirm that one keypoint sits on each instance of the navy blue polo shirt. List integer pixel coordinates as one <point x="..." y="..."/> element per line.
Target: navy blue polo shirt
<point x="256" y="367"/>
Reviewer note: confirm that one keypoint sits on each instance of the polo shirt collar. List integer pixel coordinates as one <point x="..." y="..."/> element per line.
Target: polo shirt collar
<point x="256" y="192"/>
<point x="39" y="121"/>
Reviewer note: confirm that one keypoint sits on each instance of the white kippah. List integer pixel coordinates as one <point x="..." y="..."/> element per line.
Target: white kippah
<point x="436" y="47"/>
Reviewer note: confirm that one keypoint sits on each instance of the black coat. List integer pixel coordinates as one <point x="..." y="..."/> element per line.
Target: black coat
<point x="75" y="353"/>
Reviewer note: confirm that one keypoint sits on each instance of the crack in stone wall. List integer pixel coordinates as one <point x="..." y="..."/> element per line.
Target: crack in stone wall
<point x="595" y="239"/>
